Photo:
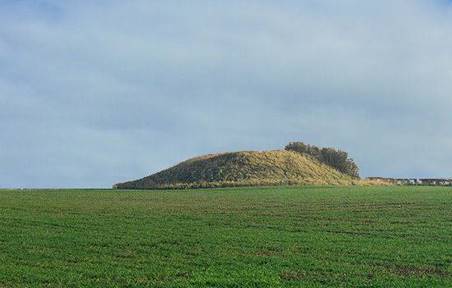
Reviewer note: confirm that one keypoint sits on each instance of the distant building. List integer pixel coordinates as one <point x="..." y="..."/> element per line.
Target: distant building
<point x="416" y="181"/>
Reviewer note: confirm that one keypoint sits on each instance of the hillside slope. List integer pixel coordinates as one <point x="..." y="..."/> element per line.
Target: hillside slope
<point x="248" y="168"/>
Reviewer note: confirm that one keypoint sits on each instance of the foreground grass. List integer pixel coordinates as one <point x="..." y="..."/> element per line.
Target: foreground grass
<point x="243" y="237"/>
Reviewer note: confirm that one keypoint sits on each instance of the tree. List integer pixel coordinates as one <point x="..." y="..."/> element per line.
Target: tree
<point x="332" y="157"/>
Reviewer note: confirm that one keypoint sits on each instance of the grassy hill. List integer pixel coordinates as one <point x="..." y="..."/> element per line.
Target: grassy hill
<point x="247" y="168"/>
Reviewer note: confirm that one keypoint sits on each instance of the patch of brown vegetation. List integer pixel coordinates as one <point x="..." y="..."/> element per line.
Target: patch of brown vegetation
<point x="408" y="271"/>
<point x="292" y="275"/>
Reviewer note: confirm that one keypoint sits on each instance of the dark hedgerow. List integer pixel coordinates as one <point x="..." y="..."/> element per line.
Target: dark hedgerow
<point x="332" y="157"/>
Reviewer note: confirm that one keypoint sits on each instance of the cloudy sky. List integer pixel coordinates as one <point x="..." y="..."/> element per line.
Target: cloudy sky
<point x="97" y="92"/>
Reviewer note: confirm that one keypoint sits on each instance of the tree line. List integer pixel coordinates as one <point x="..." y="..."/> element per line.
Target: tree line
<point x="332" y="157"/>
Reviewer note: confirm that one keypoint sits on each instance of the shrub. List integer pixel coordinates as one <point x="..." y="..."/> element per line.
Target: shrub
<point x="337" y="159"/>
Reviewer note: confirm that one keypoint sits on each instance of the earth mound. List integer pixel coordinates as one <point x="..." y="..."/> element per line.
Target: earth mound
<point x="247" y="168"/>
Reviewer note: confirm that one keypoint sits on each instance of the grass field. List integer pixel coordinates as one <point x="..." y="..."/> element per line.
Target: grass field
<point x="243" y="237"/>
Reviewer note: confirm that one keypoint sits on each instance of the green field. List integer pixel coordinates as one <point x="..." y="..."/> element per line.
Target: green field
<point x="243" y="237"/>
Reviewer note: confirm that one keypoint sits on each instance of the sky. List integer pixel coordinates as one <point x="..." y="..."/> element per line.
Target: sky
<point x="97" y="92"/>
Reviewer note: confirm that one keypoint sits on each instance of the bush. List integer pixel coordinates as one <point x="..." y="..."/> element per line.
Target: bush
<point x="337" y="159"/>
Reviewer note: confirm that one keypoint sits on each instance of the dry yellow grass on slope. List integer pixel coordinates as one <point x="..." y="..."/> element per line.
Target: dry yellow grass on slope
<point x="246" y="168"/>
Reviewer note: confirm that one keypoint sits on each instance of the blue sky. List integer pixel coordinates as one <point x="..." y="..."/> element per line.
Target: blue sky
<point x="97" y="92"/>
